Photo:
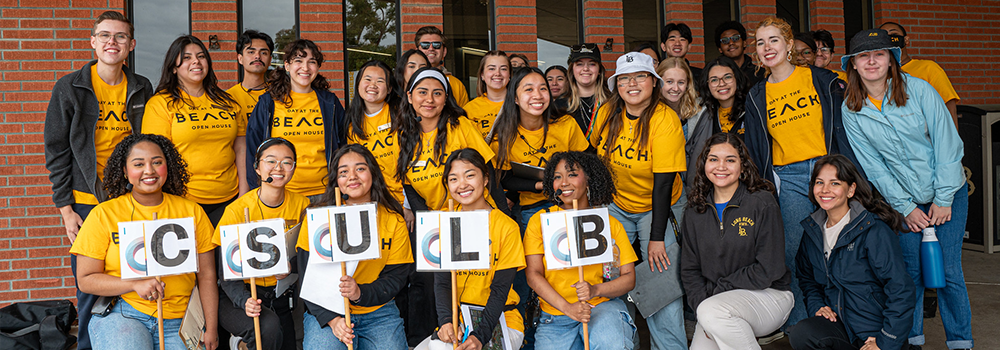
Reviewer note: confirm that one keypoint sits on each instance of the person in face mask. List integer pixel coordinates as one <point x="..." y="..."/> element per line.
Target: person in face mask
<point x="924" y="69"/>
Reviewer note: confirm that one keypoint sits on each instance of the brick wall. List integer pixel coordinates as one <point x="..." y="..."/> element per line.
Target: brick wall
<point x="322" y="21"/>
<point x="829" y="15"/>
<point x="218" y="17"/>
<point x="418" y="13"/>
<point x="602" y="20"/>
<point x="688" y="12"/>
<point x="753" y="11"/>
<point x="516" y="32"/>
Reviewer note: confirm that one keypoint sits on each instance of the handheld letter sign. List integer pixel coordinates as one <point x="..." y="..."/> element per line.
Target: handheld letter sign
<point x="255" y="249"/>
<point x="576" y="238"/>
<point x="555" y="241"/>
<point x="428" y="242"/>
<point x="453" y="240"/>
<point x="157" y="248"/>
<point x="345" y="233"/>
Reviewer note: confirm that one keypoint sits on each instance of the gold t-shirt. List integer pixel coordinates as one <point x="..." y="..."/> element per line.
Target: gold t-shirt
<point x="483" y="112"/>
<point x="795" y="119"/>
<point x="302" y="125"/>
<point x="382" y="143"/>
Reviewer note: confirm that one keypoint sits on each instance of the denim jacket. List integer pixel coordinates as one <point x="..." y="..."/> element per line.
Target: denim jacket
<point x="913" y="153"/>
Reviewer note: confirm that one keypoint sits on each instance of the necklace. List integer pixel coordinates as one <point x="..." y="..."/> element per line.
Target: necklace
<point x="255" y="88"/>
<point x="536" y="150"/>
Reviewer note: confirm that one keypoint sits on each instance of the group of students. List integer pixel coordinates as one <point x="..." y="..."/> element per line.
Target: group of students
<point x="764" y="180"/>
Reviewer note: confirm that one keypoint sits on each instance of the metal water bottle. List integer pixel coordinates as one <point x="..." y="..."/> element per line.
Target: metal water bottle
<point x="931" y="259"/>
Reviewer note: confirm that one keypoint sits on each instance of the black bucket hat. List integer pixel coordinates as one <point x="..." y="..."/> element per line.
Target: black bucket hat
<point x="870" y="40"/>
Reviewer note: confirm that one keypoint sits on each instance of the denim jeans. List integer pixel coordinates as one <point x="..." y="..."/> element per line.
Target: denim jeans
<point x="953" y="299"/>
<point x="127" y="328"/>
<point x="793" y="198"/>
<point x="381" y="329"/>
<point x="666" y="327"/>
<point x="84" y="301"/>
<point x="610" y="328"/>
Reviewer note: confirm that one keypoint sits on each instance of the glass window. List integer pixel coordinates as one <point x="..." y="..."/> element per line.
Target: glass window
<point x="558" y="26"/>
<point x="853" y="10"/>
<point x="467" y="25"/>
<point x="796" y="12"/>
<point x="641" y="22"/>
<point x="370" y="32"/>
<point x="275" y="18"/>
<point x="715" y="12"/>
<point x="154" y="32"/>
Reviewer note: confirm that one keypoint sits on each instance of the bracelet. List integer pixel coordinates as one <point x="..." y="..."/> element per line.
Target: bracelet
<point x="359" y="297"/>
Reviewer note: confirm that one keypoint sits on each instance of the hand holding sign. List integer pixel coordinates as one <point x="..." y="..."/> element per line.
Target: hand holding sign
<point x="157" y="248"/>
<point x="453" y="240"/>
<point x="254" y="249"/>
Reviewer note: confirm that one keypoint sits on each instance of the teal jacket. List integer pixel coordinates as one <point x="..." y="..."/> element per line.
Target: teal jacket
<point x="913" y="153"/>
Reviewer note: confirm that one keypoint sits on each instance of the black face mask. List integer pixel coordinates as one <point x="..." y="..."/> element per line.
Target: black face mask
<point x="897" y="40"/>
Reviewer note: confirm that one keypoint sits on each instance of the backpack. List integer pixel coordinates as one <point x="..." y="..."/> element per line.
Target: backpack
<point x="37" y="325"/>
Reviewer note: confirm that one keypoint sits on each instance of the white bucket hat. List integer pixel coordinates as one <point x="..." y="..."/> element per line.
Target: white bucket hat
<point x="634" y="62"/>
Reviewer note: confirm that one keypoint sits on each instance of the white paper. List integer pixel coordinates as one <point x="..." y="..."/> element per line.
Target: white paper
<point x="262" y="248"/>
<point x="321" y="284"/>
<point x="428" y="241"/>
<point x="320" y="244"/>
<point x="132" y="249"/>
<point x="465" y="240"/>
<point x="229" y="239"/>
<point x="171" y="247"/>
<point x="354" y="232"/>
<point x="592" y="244"/>
<point x="555" y="240"/>
<point x="470" y="313"/>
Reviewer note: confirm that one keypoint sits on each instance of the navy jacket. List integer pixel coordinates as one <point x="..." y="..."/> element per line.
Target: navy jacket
<point x="831" y="96"/>
<point x="259" y="128"/>
<point x="864" y="281"/>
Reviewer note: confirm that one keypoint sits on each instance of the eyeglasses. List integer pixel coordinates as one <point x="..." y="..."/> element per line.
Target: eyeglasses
<point x="273" y="163"/>
<point x="826" y="50"/>
<point x="428" y="44"/>
<point x="639" y="78"/>
<point x="728" y="78"/>
<point x="732" y="39"/>
<point x="106" y="36"/>
<point x="805" y="52"/>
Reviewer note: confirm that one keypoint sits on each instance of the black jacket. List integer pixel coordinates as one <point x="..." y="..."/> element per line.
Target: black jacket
<point x="746" y="250"/>
<point x="864" y="281"/>
<point x="697" y="131"/>
<point x="753" y="73"/>
<point x="70" y="122"/>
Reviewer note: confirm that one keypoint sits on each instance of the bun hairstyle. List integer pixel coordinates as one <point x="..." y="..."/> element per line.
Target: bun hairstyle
<point x="116" y="181"/>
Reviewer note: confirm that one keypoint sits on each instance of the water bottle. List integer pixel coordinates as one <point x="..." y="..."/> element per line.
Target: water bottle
<point x="931" y="260"/>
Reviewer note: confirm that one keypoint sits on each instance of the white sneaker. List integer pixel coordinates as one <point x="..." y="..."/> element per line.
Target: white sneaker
<point x="770" y="338"/>
<point x="234" y="342"/>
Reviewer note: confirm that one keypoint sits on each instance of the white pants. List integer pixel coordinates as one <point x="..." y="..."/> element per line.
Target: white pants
<point x="516" y="338"/>
<point x="733" y="320"/>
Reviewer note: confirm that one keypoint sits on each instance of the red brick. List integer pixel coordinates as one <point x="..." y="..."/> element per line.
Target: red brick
<point x="46" y="231"/>
<point x="90" y="3"/>
<point x="14" y="295"/>
<point x="12" y="254"/>
<point x="26" y="13"/>
<point x="47" y="252"/>
<point x="53" y="293"/>
<point x="38" y="283"/>
<point x="46" y="45"/>
<point x="27" y="34"/>
<point x="36" y="263"/>
<point x="46" y="65"/>
<point x="56" y="272"/>
<point x="29" y="201"/>
<point x="74" y="13"/>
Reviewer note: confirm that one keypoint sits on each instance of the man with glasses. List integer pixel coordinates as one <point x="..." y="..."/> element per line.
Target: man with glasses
<point x="731" y="39"/>
<point x="676" y="43"/>
<point x="90" y="111"/>
<point x="824" y="51"/>
<point x="431" y="41"/>
<point x="924" y="69"/>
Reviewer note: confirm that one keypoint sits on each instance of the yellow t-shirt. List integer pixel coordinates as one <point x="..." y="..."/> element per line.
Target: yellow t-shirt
<point x="290" y="210"/>
<point x="112" y="125"/>
<point x="458" y="90"/>
<point x="564" y="135"/>
<point x="562" y="279"/>
<point x="394" y="241"/>
<point x="302" y="125"/>
<point x="795" y="119"/>
<point x="425" y="174"/>
<point x="633" y="167"/>
<point x="933" y="73"/>
<point x="382" y="143"/>
<point x="507" y="252"/>
<point x="483" y="112"/>
<point x="877" y="103"/>
<point x="724" y="121"/>
<point x="841" y="75"/>
<point x="98" y="239"/>
<point x="246" y="100"/>
<point x="204" y="134"/>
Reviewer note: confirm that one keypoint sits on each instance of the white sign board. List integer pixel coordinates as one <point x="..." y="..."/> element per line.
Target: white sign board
<point x="577" y="238"/>
<point x="453" y="240"/>
<point x="254" y="249"/>
<point x="344" y="233"/>
<point x="157" y="248"/>
<point x="321" y="284"/>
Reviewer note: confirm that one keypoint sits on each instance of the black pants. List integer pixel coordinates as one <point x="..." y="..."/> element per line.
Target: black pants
<point x="417" y="306"/>
<point x="816" y="333"/>
<point x="84" y="301"/>
<point x="277" y="327"/>
<point x="215" y="211"/>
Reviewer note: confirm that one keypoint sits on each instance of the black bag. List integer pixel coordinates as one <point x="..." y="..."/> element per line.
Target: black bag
<point x="37" y="325"/>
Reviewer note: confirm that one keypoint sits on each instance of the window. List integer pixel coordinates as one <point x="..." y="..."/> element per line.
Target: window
<point x="154" y="32"/>
<point x="715" y="12"/>
<point x="371" y="31"/>
<point x="641" y="22"/>
<point x="277" y="18"/>
<point x="468" y="26"/>
<point x="796" y="12"/>
<point x="853" y="10"/>
<point x="558" y="27"/>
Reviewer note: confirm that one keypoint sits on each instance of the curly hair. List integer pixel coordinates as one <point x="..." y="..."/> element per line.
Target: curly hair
<point x="600" y="180"/>
<point x="279" y="85"/>
<point x="699" y="197"/>
<point x="848" y="173"/>
<point x="379" y="190"/>
<point x="786" y="33"/>
<point x="116" y="181"/>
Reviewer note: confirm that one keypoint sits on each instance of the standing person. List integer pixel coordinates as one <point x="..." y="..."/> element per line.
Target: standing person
<point x="731" y="40"/>
<point x="375" y="321"/>
<point x="587" y="91"/>
<point x="677" y="41"/>
<point x="927" y="70"/>
<point x="646" y="176"/>
<point x="805" y="49"/>
<point x="556" y="76"/>
<point x="901" y="133"/>
<point x="203" y="122"/>
<point x="494" y="74"/>
<point x="371" y="121"/>
<point x="732" y="261"/>
<point x="466" y="179"/>
<point x="679" y="93"/>
<point x="518" y="60"/>
<point x="566" y="301"/>
<point x="432" y="42"/>
<point x="409" y="62"/>
<point x="851" y="266"/>
<point x="253" y="53"/>
<point x="90" y="111"/>
<point x="792" y="119"/>
<point x="824" y="51"/>
<point x="723" y="92"/>
<point x="147" y="178"/>
<point x="299" y="107"/>
<point x="275" y="161"/>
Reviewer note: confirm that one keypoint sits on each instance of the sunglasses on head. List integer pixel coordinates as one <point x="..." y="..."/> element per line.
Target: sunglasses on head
<point x="732" y="39"/>
<point x="428" y="44"/>
<point x="585" y="48"/>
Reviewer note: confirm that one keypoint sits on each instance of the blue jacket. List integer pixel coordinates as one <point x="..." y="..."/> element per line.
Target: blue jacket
<point x="831" y="96"/>
<point x="912" y="154"/>
<point x="864" y="281"/>
<point x="259" y="128"/>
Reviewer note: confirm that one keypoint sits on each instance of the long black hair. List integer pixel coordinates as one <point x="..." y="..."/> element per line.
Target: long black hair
<point x="504" y="130"/>
<point x="848" y="173"/>
<point x="115" y="180"/>
<point x="471" y="156"/>
<point x="379" y="190"/>
<point x="410" y="131"/>
<point x="740" y="94"/>
<point x="171" y="85"/>
<point x="280" y="83"/>
<point x="600" y="181"/>
<point x="749" y="177"/>
<point x="616" y="120"/>
<point x="400" y="73"/>
<point x="356" y="111"/>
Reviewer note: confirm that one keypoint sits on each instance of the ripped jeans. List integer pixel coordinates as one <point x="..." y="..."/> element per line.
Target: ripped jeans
<point x="610" y="328"/>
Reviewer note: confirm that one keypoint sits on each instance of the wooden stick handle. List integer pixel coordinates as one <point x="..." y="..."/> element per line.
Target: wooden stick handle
<point x="256" y="319"/>
<point x="454" y="292"/>
<point x="159" y="307"/>
<point x="343" y="272"/>
<point x="579" y="270"/>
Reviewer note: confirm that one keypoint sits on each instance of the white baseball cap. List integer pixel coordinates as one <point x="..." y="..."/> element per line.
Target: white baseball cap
<point x="634" y="62"/>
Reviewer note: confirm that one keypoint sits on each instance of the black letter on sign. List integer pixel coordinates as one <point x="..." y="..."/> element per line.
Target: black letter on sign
<point x="345" y="246"/>
<point x="456" y="243"/>
<point x="157" y="242"/>
<point x="273" y="254"/>
<point x="583" y="236"/>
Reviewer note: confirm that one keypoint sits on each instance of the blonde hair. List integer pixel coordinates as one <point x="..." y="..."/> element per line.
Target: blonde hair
<point x="481" y="87"/>
<point x="601" y="92"/>
<point x="689" y="102"/>
<point x="786" y="33"/>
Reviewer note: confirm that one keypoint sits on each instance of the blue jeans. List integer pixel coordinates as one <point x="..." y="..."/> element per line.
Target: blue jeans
<point x="127" y="328"/>
<point x="793" y="198"/>
<point x="610" y="328"/>
<point x="381" y="329"/>
<point x="953" y="299"/>
<point x="84" y="301"/>
<point x="666" y="327"/>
